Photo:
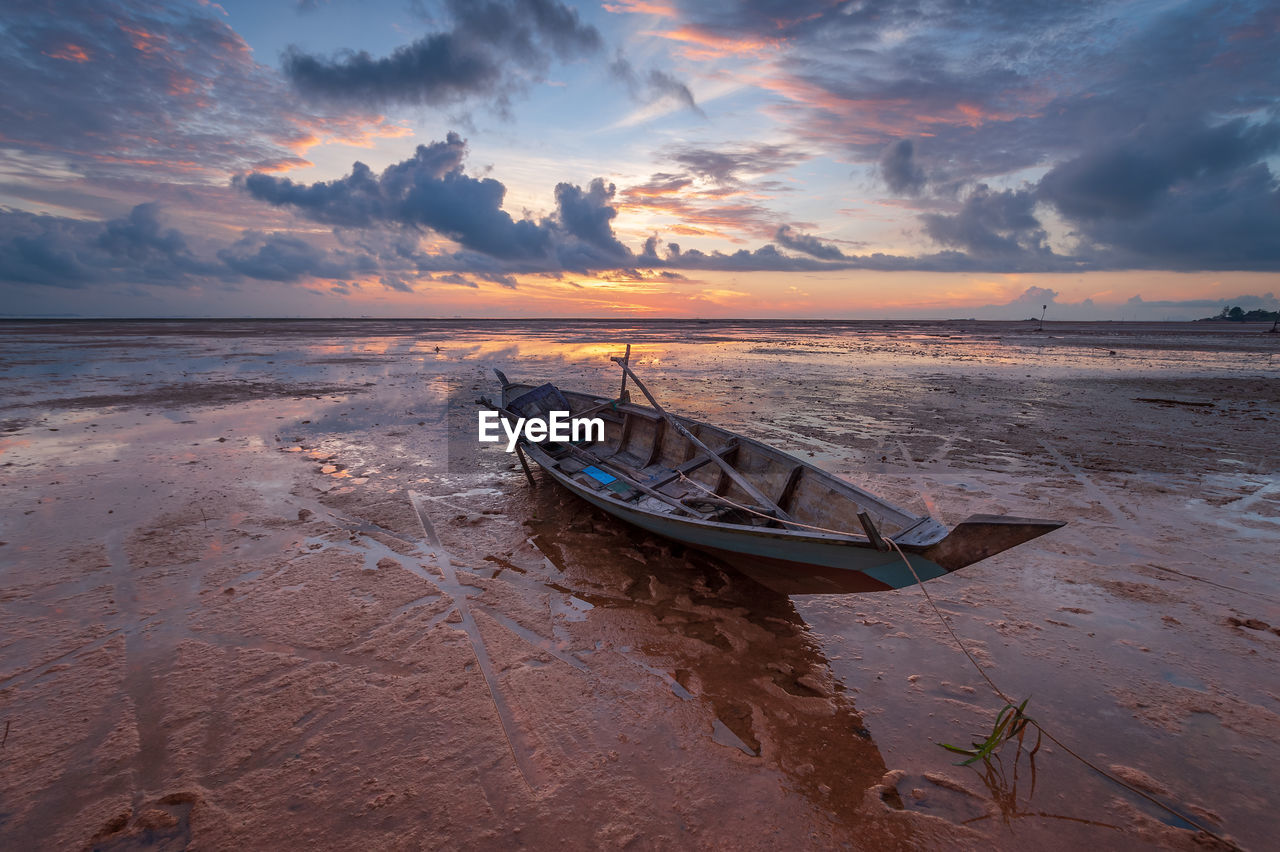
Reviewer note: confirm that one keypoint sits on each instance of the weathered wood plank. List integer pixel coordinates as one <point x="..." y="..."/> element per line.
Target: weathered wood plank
<point x="693" y="464"/>
<point x="655" y="446"/>
<point x="789" y="490"/>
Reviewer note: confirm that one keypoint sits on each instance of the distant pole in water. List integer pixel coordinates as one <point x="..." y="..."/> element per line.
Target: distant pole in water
<point x="1043" y="309"/>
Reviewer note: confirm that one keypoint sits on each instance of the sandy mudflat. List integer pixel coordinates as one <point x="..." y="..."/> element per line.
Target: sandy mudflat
<point x="259" y="589"/>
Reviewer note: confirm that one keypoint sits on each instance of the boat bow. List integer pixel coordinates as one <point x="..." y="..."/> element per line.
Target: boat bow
<point x="980" y="536"/>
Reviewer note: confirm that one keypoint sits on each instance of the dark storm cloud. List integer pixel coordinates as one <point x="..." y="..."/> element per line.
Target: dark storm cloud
<point x="280" y="257"/>
<point x="1184" y="198"/>
<point x="1157" y="147"/>
<point x="353" y="201"/>
<point x="130" y="87"/>
<point x="1175" y="196"/>
<point x="489" y="49"/>
<point x="1172" y="196"/>
<point x="138" y="248"/>
<point x="1184" y="193"/>
<point x="140" y="236"/>
<point x="1130" y="177"/>
<point x="60" y="252"/>
<point x="1230" y="223"/>
<point x="48" y="250"/>
<point x="991" y="224"/>
<point x="433" y="70"/>
<point x="899" y="169"/>
<point x="430" y="190"/>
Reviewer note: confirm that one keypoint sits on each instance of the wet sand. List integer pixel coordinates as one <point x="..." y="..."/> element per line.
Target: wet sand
<point x="259" y="588"/>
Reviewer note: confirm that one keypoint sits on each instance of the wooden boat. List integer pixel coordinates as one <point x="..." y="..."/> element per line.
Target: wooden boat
<point x="790" y="525"/>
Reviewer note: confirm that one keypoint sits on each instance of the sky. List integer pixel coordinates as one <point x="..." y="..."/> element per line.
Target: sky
<point x="639" y="158"/>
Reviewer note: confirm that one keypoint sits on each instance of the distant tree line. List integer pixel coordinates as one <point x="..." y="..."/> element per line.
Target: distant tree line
<point x="1239" y="314"/>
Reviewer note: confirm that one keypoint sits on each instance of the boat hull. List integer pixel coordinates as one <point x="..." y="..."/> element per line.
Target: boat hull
<point x="805" y="558"/>
<point x="779" y="559"/>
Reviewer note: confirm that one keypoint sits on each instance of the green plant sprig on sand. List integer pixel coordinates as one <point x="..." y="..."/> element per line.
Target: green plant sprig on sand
<point x="1011" y="723"/>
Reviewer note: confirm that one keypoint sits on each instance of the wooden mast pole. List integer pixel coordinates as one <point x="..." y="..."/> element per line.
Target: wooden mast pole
<point x="626" y="359"/>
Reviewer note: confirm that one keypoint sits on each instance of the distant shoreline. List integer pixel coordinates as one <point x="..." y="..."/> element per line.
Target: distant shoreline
<point x="1048" y="324"/>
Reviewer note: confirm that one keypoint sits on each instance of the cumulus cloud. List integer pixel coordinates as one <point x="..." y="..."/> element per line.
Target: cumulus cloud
<point x="588" y="216"/>
<point x="431" y="190"/>
<point x="428" y="190"/>
<point x="488" y="50"/>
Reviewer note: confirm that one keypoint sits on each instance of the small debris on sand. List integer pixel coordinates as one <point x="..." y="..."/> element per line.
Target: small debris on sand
<point x="1251" y="623"/>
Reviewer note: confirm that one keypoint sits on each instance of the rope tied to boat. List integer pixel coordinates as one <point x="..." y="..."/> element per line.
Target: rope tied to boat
<point x="983" y="672"/>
